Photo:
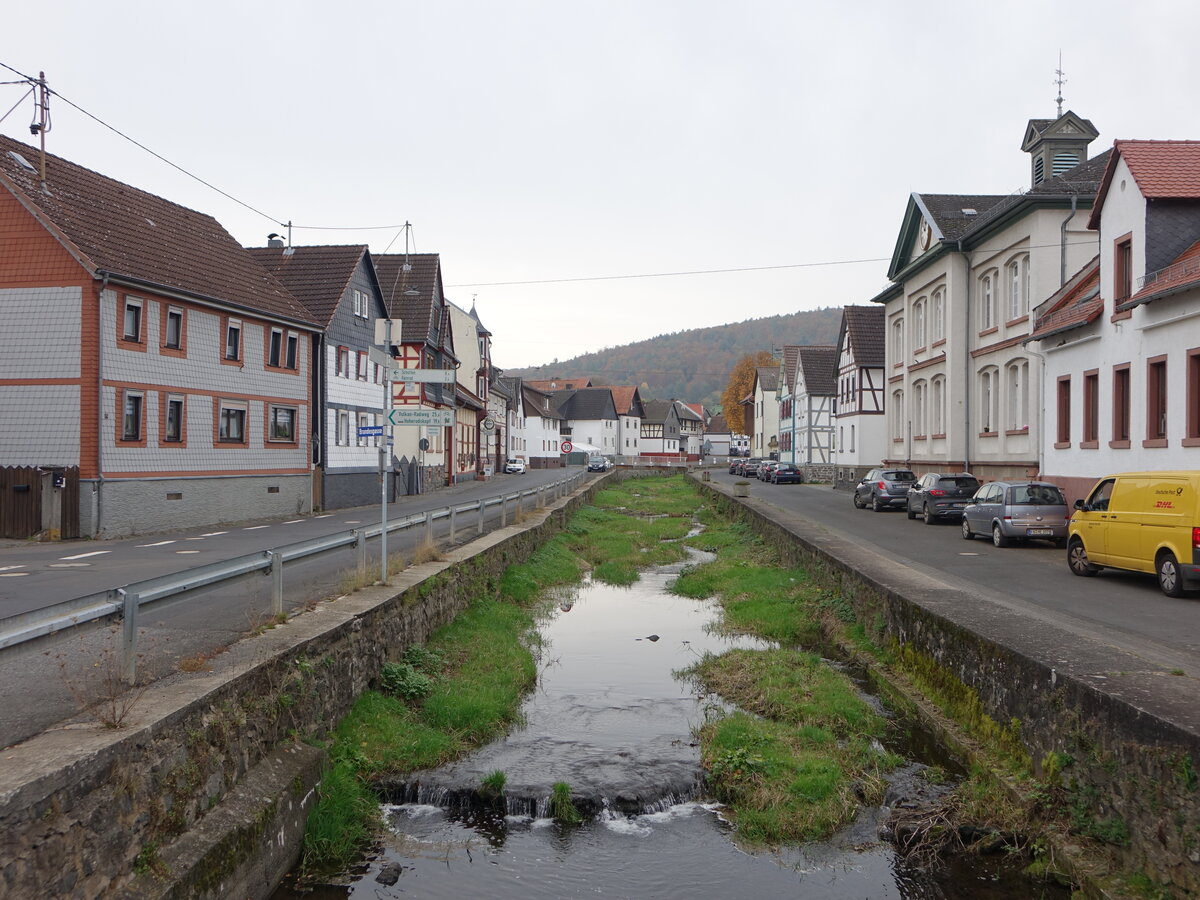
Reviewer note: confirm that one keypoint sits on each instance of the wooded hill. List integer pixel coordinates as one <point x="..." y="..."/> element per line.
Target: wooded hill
<point x="692" y="365"/>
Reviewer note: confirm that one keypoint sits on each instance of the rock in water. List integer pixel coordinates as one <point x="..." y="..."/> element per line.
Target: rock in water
<point x="389" y="874"/>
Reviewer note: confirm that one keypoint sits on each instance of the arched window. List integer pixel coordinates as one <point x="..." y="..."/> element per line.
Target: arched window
<point x="918" y="408"/>
<point x="989" y="399"/>
<point x="937" y="323"/>
<point x="987" y="301"/>
<point x="898" y="348"/>
<point x="1017" y="276"/>
<point x="918" y="329"/>
<point x="937" y="405"/>
<point x="898" y="417"/>
<point x="1018" y="395"/>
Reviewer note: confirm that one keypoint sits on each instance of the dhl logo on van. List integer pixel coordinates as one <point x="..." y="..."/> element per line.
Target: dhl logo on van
<point x="1164" y="504"/>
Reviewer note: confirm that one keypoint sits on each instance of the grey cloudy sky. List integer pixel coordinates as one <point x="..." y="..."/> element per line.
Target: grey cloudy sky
<point x="530" y="141"/>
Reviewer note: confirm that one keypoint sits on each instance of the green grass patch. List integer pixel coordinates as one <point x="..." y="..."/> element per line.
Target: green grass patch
<point x="671" y="496"/>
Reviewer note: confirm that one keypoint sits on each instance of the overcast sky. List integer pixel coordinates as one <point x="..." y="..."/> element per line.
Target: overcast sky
<point x="533" y="141"/>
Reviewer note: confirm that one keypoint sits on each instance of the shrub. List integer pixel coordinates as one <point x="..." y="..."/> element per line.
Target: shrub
<point x="402" y="680"/>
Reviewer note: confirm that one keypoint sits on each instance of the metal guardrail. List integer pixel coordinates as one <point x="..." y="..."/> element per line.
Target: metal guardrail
<point x="126" y="604"/>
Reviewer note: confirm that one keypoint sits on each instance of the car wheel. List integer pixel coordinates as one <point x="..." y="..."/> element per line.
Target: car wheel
<point x="1077" y="559"/>
<point x="1170" y="579"/>
<point x="927" y="514"/>
<point x="967" y="533"/>
<point x="908" y="510"/>
<point x="875" y="504"/>
<point x="998" y="538"/>
<point x="858" y="501"/>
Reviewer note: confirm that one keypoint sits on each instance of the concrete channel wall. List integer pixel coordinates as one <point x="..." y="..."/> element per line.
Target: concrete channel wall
<point x="206" y="793"/>
<point x="1122" y="734"/>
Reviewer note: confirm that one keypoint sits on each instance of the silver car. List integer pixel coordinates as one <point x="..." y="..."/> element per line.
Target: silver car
<point x="1017" y="511"/>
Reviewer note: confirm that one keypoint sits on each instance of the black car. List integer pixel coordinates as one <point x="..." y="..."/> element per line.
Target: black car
<point x="940" y="495"/>
<point x="883" y="488"/>
<point x="787" y="473"/>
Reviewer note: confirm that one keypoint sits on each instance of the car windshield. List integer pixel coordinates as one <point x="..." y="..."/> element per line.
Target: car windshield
<point x="959" y="481"/>
<point x="1035" y="495"/>
<point x="899" y="475"/>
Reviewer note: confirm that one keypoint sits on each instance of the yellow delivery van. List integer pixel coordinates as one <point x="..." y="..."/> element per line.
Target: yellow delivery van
<point x="1141" y="522"/>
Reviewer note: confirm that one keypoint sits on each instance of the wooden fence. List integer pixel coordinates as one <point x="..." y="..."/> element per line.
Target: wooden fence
<point x="21" y="489"/>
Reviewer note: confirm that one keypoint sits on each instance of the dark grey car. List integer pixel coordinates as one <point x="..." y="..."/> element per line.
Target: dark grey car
<point x="940" y="495"/>
<point x="1017" y="511"/>
<point x="883" y="488"/>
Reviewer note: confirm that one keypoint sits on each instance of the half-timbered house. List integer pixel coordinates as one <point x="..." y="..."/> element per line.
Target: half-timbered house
<point x="859" y="419"/>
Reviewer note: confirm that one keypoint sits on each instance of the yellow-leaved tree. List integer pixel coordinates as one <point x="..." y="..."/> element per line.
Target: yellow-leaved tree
<point x="741" y="382"/>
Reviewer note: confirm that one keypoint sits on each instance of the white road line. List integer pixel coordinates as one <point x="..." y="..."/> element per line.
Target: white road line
<point x="255" y="527"/>
<point x="86" y="555"/>
<point x="13" y="574"/>
<point x="213" y="533"/>
<point x="325" y="516"/>
<point x="293" y="521"/>
<point x="7" y="568"/>
<point x="194" y="539"/>
<point x="187" y="551"/>
<point x="159" y="544"/>
<point x="351" y="522"/>
<point x="70" y="565"/>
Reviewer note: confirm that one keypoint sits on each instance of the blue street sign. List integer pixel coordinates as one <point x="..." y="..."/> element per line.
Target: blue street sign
<point x="365" y="431"/>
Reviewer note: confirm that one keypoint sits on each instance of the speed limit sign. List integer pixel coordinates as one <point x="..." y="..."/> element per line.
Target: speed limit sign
<point x="565" y="446"/>
<point x="489" y="424"/>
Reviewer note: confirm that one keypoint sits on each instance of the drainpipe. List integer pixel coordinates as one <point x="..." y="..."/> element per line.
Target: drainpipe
<point x="100" y="405"/>
<point x="1062" y="242"/>
<point x="967" y="379"/>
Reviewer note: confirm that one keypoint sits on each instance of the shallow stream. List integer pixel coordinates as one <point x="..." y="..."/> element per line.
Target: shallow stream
<point x="610" y="718"/>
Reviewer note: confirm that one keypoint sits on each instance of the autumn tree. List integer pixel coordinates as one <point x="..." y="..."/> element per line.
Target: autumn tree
<point x="741" y="382"/>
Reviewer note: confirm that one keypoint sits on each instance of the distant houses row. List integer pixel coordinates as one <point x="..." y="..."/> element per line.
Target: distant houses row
<point x="1053" y="332"/>
<point x="155" y="374"/>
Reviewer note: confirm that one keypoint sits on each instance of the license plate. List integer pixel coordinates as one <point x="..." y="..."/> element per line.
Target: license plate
<point x="1039" y="532"/>
<point x="958" y="505"/>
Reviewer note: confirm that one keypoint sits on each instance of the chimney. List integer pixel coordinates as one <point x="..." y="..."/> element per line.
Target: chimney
<point x="275" y="242"/>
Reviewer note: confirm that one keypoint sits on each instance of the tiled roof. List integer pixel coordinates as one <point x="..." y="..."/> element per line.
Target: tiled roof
<point x="538" y="403"/>
<point x="768" y="377"/>
<point x="865" y="327"/>
<point x="1085" y="178"/>
<point x="951" y="212"/>
<point x="420" y="315"/>
<point x="1161" y="169"/>
<point x="1076" y="303"/>
<point x="128" y="233"/>
<point x="791" y="353"/>
<point x="624" y="398"/>
<point x="684" y="411"/>
<point x="718" y="425"/>
<point x="571" y="383"/>
<point x="819" y="365"/>
<point x="585" y="403"/>
<point x="316" y="276"/>
<point x="658" y="411"/>
<point x="1182" y="274"/>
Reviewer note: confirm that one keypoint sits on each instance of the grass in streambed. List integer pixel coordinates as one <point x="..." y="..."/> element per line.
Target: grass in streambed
<point x="672" y="496"/>
<point x="480" y="666"/>
<point x="802" y="757"/>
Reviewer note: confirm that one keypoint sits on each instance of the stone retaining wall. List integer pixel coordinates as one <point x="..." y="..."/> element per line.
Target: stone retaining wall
<point x="1132" y="777"/>
<point x="87" y="812"/>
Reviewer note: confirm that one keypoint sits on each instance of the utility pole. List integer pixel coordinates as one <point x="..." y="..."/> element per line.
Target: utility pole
<point x="41" y="119"/>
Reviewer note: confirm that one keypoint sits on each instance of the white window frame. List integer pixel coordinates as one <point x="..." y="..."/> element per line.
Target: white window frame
<point x="133" y="403"/>
<point x="226" y="406"/>
<point x="938" y="317"/>
<point x="135" y="306"/>
<point x="272" y="437"/>
<point x="275" y="348"/>
<point x="171" y="400"/>
<point x="341" y="428"/>
<point x="291" y="358"/>
<point x="174" y="314"/>
<point x="937" y="405"/>
<point x="1018" y="395"/>
<point x="233" y="328"/>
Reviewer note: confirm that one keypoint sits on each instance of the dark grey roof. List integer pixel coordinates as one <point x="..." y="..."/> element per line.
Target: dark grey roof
<point x="657" y="412"/>
<point x="865" y="328"/>
<point x="686" y="412"/>
<point x="818" y="363"/>
<point x="421" y="315"/>
<point x="952" y="212"/>
<point x="316" y="276"/>
<point x="537" y="403"/>
<point x="1085" y="178"/>
<point x="768" y="377"/>
<point x="585" y="403"/>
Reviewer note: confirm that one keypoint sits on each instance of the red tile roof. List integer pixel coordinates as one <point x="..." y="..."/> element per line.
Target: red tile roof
<point x="130" y="234"/>
<point x="1076" y="303"/>
<point x="1182" y="273"/>
<point x="623" y="398"/>
<point x="1160" y="168"/>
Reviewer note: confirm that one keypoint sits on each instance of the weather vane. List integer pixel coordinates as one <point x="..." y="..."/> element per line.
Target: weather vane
<point x="1060" y="80"/>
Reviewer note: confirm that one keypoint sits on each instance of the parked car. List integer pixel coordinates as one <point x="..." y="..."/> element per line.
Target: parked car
<point x="597" y="463"/>
<point x="514" y="466"/>
<point x="787" y="473"/>
<point x="882" y="488"/>
<point x="1017" y="511"/>
<point x="1141" y="522"/>
<point x="765" y="470"/>
<point x="749" y="466"/>
<point x="734" y="462"/>
<point x="940" y="495"/>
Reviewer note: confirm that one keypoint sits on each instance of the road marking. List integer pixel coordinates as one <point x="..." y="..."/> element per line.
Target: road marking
<point x="7" y="568"/>
<point x="194" y="539"/>
<point x="85" y="555"/>
<point x="325" y="516"/>
<point x="293" y="521"/>
<point x="187" y="551"/>
<point x="968" y="554"/>
<point x="159" y="544"/>
<point x="13" y="574"/>
<point x="70" y="565"/>
<point x="213" y="533"/>
<point x="255" y="527"/>
<point x="351" y="522"/>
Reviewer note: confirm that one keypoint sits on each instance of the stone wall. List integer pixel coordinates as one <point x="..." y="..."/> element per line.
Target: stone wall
<point x="1132" y="776"/>
<point x="88" y="812"/>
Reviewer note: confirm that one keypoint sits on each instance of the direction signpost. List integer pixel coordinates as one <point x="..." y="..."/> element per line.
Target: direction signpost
<point x="419" y="415"/>
<point x="422" y="376"/>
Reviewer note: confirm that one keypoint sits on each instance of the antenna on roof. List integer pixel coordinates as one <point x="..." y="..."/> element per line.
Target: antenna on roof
<point x="1060" y="80"/>
<point x="41" y="118"/>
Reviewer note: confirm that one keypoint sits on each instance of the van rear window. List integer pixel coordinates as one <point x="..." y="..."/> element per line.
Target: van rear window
<point x="959" y="482"/>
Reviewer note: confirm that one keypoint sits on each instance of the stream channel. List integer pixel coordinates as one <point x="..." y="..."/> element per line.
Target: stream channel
<point x="610" y="718"/>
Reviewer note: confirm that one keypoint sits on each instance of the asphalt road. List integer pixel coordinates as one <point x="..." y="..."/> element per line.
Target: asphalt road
<point x="46" y="684"/>
<point x="1123" y="609"/>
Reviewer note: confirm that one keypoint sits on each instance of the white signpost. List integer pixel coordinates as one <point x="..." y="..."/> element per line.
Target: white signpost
<point x="419" y="415"/>
<point x="422" y="376"/>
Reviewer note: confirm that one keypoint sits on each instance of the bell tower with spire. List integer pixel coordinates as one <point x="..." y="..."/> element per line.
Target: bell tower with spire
<point x="1057" y="145"/>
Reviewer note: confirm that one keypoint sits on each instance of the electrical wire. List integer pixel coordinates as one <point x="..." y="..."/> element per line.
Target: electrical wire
<point x="18" y="103"/>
